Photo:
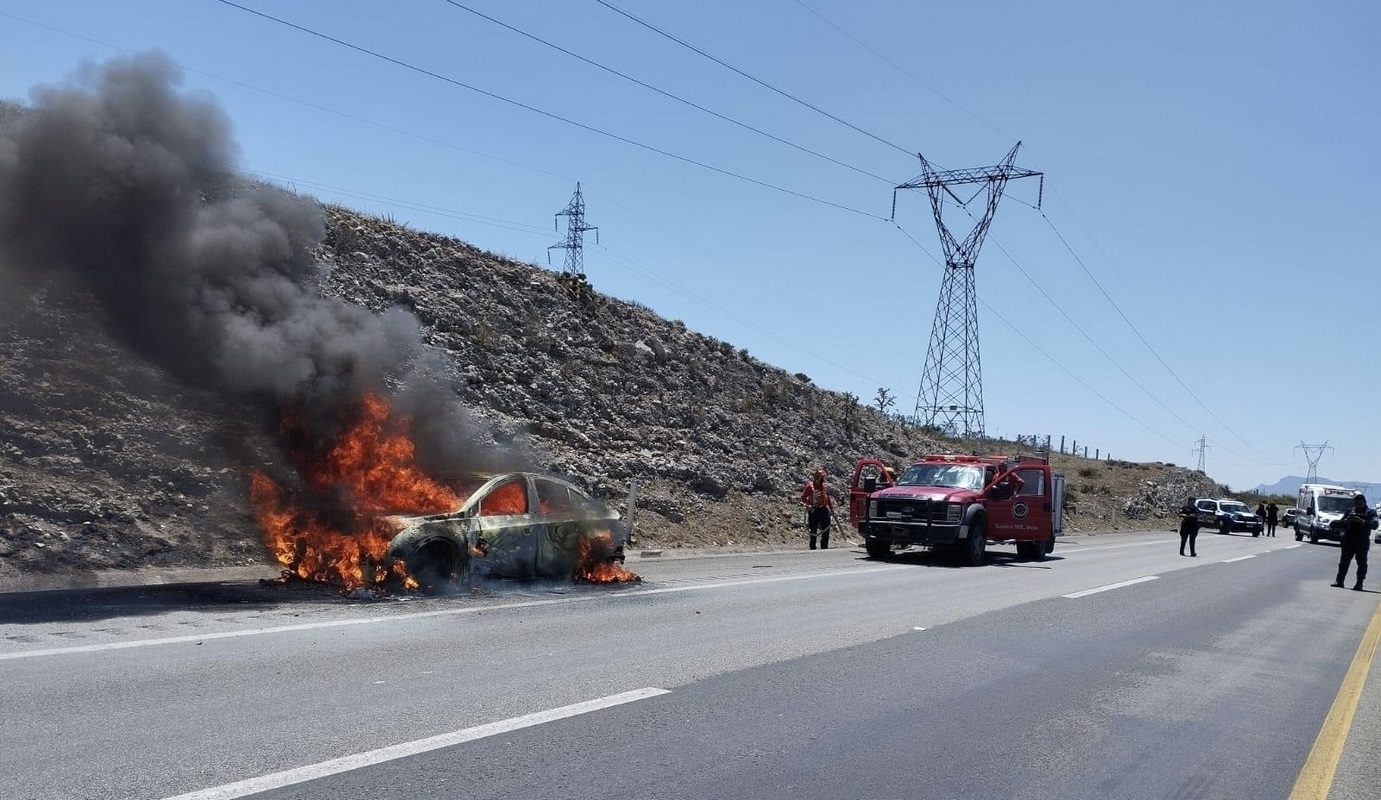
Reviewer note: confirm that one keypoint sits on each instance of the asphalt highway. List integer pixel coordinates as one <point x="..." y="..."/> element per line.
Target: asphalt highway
<point x="1115" y="669"/>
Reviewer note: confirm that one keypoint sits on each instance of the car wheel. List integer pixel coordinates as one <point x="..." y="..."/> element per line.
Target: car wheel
<point x="1047" y="547"/>
<point x="436" y="566"/>
<point x="976" y="546"/>
<point x="878" y="549"/>
<point x="1028" y="551"/>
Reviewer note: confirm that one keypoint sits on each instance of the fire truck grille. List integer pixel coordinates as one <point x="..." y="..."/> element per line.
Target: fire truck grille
<point x="932" y="512"/>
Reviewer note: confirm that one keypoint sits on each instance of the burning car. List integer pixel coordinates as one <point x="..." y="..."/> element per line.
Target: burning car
<point x="515" y="525"/>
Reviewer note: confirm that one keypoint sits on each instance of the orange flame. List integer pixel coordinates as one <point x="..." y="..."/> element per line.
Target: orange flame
<point x="342" y="536"/>
<point x="594" y="565"/>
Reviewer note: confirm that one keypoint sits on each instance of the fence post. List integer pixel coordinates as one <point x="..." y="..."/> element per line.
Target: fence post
<point x="1074" y="448"/>
<point x="1095" y="454"/>
<point x="1085" y="451"/>
<point x="1062" y="444"/>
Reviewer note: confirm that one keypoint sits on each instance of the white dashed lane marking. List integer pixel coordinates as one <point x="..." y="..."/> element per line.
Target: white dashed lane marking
<point x="1111" y="586"/>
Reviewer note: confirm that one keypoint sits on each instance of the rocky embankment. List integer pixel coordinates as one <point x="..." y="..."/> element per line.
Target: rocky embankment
<point x="105" y="462"/>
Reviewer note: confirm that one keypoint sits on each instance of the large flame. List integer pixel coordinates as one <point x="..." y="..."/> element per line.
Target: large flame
<point x="595" y="565"/>
<point x="337" y="532"/>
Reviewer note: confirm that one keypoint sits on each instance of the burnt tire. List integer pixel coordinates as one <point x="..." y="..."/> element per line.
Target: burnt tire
<point x="436" y="566"/>
<point x="878" y="549"/>
<point x="975" y="549"/>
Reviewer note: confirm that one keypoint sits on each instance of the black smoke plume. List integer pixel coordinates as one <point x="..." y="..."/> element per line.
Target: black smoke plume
<point x="122" y="181"/>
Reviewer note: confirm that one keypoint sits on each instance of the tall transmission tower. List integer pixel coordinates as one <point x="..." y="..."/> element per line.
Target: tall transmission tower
<point x="1312" y="454"/>
<point x="951" y="394"/>
<point x="574" y="243"/>
<point x="1203" y="447"/>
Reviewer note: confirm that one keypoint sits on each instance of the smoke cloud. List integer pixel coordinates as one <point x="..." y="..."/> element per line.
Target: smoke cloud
<point x="119" y="179"/>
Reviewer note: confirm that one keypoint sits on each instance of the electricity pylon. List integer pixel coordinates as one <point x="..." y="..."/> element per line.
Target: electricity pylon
<point x="1312" y="454"/>
<point x="1201" y="450"/>
<point x="574" y="243"/>
<point x="951" y="394"/>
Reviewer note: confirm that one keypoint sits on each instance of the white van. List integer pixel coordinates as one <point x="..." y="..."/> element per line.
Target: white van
<point x="1317" y="507"/>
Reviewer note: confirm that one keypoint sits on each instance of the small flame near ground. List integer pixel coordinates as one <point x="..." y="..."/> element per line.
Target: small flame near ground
<point x="594" y="565"/>
<point x="337" y="531"/>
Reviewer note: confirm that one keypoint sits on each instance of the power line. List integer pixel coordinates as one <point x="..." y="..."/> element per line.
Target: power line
<point x="651" y="275"/>
<point x="1099" y="347"/>
<point x="756" y="80"/>
<point x="904" y="71"/>
<point x="1040" y="349"/>
<point x="551" y="115"/>
<point x="496" y="222"/>
<point x="1143" y="339"/>
<point x="665" y="93"/>
<point x="1063" y="241"/>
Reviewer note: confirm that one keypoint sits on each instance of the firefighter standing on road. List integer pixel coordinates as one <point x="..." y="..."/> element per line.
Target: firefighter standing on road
<point x="1358" y="523"/>
<point x="816" y="497"/>
<point x="1189" y="526"/>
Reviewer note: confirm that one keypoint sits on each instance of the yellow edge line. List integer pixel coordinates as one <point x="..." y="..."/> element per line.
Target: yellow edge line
<point x="1316" y="777"/>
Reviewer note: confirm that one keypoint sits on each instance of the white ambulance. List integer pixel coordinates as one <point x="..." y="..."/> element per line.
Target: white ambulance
<point x="1318" y="507"/>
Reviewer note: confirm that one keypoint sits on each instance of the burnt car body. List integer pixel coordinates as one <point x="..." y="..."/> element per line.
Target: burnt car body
<point x="516" y="525"/>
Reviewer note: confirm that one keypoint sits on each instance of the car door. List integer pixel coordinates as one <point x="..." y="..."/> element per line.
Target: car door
<point x="1208" y="513"/>
<point x="503" y="520"/>
<point x="561" y="527"/>
<point x="870" y="475"/>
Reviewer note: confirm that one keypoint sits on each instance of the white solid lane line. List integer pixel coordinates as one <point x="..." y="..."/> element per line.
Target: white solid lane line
<point x="1239" y="558"/>
<point x="1118" y="585"/>
<point x="445" y="612"/>
<point x="335" y="766"/>
<point x="1292" y="547"/>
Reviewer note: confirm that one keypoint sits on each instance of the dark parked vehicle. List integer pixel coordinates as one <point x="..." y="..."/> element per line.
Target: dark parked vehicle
<point x="515" y="525"/>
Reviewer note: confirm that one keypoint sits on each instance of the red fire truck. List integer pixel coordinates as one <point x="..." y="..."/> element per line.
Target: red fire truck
<point x="960" y="503"/>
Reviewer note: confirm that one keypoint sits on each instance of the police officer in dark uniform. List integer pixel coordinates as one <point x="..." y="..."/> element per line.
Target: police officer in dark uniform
<point x="1357" y="523"/>
<point x="1189" y="526"/>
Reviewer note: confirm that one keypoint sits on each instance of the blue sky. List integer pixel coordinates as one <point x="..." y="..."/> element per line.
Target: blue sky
<point x="1211" y="164"/>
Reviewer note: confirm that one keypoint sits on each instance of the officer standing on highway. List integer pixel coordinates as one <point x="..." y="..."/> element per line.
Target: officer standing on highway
<point x="1272" y="516"/>
<point x="1189" y="526"/>
<point x="816" y="497"/>
<point x="1358" y="523"/>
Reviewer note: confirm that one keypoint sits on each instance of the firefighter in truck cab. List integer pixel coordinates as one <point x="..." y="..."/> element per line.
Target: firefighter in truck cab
<point x="816" y="498"/>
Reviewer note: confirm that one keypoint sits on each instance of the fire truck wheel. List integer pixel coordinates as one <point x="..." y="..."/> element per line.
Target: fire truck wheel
<point x="975" y="547"/>
<point x="1028" y="551"/>
<point x="877" y="549"/>
<point x="1048" y="546"/>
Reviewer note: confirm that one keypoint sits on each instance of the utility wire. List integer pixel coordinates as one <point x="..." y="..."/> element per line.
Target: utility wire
<point x="667" y="94"/>
<point x="1048" y="221"/>
<point x="464" y="216"/>
<point x="648" y="273"/>
<point x="519" y="227"/>
<point x="306" y="103"/>
<point x="756" y="80"/>
<point x="1143" y="339"/>
<point x="551" y="115"/>
<point x="1042" y="350"/>
<point x="894" y="65"/>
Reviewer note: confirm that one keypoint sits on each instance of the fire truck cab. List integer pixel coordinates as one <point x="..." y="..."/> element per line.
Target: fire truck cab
<point x="960" y="503"/>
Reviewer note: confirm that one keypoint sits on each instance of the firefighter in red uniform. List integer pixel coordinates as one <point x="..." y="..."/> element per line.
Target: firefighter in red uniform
<point x="816" y="497"/>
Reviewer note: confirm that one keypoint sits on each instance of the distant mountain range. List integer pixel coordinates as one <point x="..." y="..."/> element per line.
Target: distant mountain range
<point x="1290" y="485"/>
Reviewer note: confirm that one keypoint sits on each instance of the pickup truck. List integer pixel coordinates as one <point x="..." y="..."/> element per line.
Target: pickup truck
<point x="960" y="503"/>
